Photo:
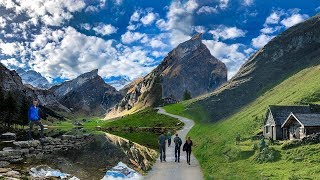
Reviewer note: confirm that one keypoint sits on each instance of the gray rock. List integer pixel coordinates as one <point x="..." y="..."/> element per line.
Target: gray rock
<point x="8" y="136"/>
<point x="14" y="174"/>
<point x="68" y="137"/>
<point x="27" y="144"/>
<point x="4" y="164"/>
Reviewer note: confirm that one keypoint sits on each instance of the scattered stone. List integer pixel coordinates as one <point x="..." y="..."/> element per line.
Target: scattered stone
<point x="8" y="136"/>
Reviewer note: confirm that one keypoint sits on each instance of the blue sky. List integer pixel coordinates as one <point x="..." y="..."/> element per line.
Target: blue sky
<point x="126" y="39"/>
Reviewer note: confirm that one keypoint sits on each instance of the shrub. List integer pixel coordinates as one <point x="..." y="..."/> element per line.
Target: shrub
<point x="291" y="144"/>
<point x="266" y="155"/>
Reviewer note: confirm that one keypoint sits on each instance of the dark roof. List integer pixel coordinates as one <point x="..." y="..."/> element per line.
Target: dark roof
<point x="281" y="113"/>
<point x="308" y="119"/>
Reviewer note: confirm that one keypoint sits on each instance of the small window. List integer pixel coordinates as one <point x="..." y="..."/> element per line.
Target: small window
<point x="267" y="129"/>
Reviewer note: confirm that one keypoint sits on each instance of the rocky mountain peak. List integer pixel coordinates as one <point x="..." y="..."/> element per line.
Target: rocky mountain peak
<point x="90" y="74"/>
<point x="188" y="67"/>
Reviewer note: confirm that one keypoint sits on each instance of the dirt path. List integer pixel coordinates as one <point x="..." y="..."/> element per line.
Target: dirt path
<point x="170" y="169"/>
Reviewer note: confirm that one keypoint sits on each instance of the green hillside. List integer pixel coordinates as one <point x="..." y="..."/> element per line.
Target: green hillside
<point x="215" y="144"/>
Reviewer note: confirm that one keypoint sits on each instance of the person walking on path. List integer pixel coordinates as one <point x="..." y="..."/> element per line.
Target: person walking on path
<point x="34" y="118"/>
<point x="187" y="147"/>
<point x="162" y="147"/>
<point x="169" y="138"/>
<point x="177" y="144"/>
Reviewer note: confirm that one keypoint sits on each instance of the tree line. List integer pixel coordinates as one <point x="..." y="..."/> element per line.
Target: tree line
<point x="13" y="111"/>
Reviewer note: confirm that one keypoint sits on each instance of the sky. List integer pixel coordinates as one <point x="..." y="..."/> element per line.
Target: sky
<point x="126" y="39"/>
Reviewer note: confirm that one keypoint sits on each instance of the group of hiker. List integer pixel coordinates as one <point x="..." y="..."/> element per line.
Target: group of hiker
<point x="177" y="146"/>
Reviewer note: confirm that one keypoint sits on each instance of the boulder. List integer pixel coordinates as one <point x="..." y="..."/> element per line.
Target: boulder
<point x="14" y="174"/>
<point x="5" y="170"/>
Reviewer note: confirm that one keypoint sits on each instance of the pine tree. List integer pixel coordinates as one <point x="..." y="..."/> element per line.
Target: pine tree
<point x="186" y="95"/>
<point x="10" y="106"/>
<point x="23" y="112"/>
<point x="2" y="106"/>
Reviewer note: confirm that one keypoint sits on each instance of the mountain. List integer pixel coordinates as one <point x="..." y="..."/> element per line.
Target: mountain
<point x="189" y="66"/>
<point x="87" y="94"/>
<point x="33" y="78"/>
<point x="119" y="83"/>
<point x="293" y="50"/>
<point x="11" y="81"/>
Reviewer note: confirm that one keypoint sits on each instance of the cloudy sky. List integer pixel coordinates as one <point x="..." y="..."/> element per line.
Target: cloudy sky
<point x="126" y="39"/>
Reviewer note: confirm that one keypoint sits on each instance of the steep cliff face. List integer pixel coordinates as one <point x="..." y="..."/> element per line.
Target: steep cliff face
<point x="11" y="81"/>
<point x="87" y="94"/>
<point x="293" y="50"/>
<point x="190" y="66"/>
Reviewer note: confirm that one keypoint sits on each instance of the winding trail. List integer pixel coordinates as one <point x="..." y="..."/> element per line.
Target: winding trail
<point x="171" y="170"/>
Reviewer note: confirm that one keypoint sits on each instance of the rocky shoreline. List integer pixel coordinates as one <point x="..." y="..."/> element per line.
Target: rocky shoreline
<point x="20" y="151"/>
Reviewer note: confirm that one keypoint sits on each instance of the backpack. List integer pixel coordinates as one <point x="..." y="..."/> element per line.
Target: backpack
<point x="184" y="147"/>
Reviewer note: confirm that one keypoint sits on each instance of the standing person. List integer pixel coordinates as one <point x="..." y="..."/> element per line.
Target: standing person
<point x="169" y="138"/>
<point x="162" y="146"/>
<point x="177" y="142"/>
<point x="187" y="147"/>
<point x="34" y="118"/>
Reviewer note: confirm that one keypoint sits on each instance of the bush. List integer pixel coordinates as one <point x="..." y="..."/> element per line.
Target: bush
<point x="266" y="155"/>
<point x="291" y="144"/>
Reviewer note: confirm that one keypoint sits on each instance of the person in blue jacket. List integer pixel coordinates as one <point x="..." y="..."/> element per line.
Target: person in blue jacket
<point x="34" y="118"/>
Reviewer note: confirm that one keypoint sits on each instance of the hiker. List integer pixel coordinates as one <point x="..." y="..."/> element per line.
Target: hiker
<point x="177" y="144"/>
<point x="162" y="147"/>
<point x="34" y="118"/>
<point x="187" y="147"/>
<point x="169" y="138"/>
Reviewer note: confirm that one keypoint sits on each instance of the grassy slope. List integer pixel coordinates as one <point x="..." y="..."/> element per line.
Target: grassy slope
<point x="214" y="143"/>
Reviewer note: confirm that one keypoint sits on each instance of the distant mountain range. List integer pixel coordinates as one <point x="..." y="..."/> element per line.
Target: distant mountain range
<point x="33" y="78"/>
<point x="188" y="67"/>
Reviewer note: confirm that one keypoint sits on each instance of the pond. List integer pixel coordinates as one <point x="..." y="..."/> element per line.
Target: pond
<point x="93" y="160"/>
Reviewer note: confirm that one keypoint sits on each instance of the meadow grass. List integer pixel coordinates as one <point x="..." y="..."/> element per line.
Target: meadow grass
<point x="215" y="142"/>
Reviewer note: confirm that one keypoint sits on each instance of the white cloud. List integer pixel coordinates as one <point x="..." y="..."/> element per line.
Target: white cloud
<point x="12" y="63"/>
<point x="77" y="53"/>
<point x="105" y="29"/>
<point x="9" y="49"/>
<point x="149" y="18"/>
<point x="270" y="30"/>
<point x="248" y="2"/>
<point x="229" y="54"/>
<point x="207" y="10"/>
<point x="135" y="16"/>
<point x="223" y="4"/>
<point x="274" y="17"/>
<point x="180" y="21"/>
<point x="261" y="40"/>
<point x="130" y="37"/>
<point x="200" y="29"/>
<point x="294" y="19"/>
<point x="3" y="22"/>
<point x="50" y="12"/>
<point x="162" y="24"/>
<point x="224" y="32"/>
<point x="85" y="26"/>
